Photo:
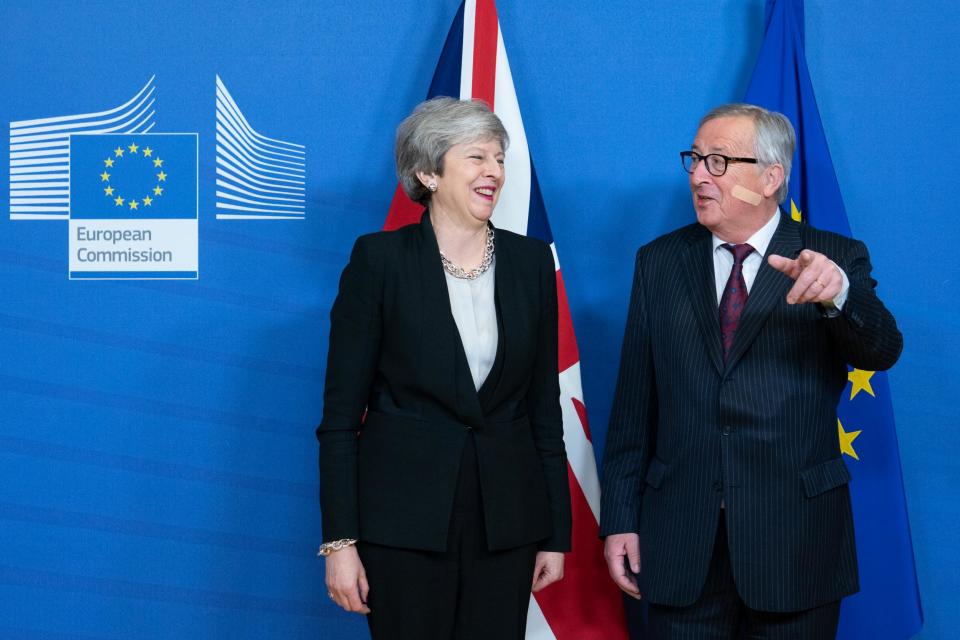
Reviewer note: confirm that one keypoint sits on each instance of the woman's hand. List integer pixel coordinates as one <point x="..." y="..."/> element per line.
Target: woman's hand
<point x="347" y="581"/>
<point x="547" y="569"/>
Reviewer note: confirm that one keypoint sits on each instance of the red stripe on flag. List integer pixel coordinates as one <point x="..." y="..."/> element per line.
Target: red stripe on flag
<point x="485" y="52"/>
<point x="593" y="609"/>
<point x="567" y="352"/>
<point x="403" y="211"/>
<point x="582" y="413"/>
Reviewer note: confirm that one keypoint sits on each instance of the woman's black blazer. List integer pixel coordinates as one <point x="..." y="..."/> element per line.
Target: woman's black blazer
<point x="395" y="351"/>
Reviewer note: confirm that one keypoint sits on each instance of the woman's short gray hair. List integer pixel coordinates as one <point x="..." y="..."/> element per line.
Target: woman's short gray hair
<point x="775" y="138"/>
<point x="426" y="135"/>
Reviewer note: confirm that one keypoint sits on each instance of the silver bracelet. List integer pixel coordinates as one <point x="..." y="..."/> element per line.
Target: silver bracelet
<point x="329" y="547"/>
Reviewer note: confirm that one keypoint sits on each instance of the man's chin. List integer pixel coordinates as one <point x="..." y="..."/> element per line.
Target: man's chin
<point x="706" y="214"/>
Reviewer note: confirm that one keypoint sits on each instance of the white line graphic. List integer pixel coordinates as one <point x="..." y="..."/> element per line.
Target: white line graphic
<point x="40" y="153"/>
<point x="258" y="178"/>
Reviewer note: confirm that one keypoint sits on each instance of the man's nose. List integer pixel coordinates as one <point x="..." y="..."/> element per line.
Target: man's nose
<point x="699" y="175"/>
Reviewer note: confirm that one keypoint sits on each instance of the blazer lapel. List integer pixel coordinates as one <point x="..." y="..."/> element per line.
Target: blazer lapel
<point x="440" y="335"/>
<point x="699" y="278"/>
<point x="505" y="301"/>
<point x="769" y="289"/>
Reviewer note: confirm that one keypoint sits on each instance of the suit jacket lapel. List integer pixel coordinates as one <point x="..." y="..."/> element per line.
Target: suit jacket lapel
<point x="505" y="300"/>
<point x="440" y="335"/>
<point x="769" y="289"/>
<point x="699" y="278"/>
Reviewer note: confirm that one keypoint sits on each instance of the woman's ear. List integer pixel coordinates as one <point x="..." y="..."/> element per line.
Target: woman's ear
<point x="429" y="180"/>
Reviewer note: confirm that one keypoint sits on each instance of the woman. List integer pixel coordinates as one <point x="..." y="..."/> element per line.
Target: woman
<point x="454" y="484"/>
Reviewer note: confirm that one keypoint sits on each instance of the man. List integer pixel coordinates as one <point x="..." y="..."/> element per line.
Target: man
<point x="725" y="498"/>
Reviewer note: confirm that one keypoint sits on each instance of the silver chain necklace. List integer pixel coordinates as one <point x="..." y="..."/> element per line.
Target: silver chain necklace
<point x="473" y="274"/>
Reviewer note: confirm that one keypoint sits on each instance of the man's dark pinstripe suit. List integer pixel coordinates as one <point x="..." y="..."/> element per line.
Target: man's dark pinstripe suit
<point x="759" y="432"/>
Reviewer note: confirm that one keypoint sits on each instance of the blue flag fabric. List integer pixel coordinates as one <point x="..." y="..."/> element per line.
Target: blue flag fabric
<point x="888" y="605"/>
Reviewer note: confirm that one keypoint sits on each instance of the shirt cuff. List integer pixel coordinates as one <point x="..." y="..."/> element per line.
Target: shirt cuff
<point x="835" y="306"/>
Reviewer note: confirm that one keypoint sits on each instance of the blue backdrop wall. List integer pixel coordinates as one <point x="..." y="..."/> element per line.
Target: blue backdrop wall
<point x="157" y="458"/>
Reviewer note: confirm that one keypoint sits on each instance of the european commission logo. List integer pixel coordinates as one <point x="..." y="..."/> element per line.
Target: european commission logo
<point x="131" y="194"/>
<point x="133" y="206"/>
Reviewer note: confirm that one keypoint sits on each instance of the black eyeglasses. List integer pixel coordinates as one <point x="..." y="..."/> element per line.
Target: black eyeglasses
<point x="716" y="163"/>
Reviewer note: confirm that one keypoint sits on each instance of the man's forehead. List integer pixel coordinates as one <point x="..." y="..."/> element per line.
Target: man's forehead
<point x="724" y="134"/>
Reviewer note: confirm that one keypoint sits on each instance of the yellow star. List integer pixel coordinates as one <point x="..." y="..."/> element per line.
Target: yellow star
<point x="118" y="152"/>
<point x="860" y="381"/>
<point x="133" y="147"/>
<point x="134" y="204"/>
<point x="147" y="152"/>
<point x="108" y="162"/>
<point x="158" y="190"/>
<point x="147" y="201"/>
<point x="108" y="191"/>
<point x="104" y="177"/>
<point x="846" y="441"/>
<point x="158" y="162"/>
<point x="795" y="213"/>
<point x="161" y="176"/>
<point x="118" y="201"/>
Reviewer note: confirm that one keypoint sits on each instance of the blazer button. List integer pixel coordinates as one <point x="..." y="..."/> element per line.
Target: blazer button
<point x="726" y="430"/>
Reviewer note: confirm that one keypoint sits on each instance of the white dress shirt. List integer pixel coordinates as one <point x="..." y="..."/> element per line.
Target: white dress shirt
<point x="723" y="261"/>
<point x="475" y="312"/>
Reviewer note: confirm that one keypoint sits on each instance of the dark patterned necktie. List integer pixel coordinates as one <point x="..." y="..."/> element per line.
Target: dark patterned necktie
<point x="734" y="296"/>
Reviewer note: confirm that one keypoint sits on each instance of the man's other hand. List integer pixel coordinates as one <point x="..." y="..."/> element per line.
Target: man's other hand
<point x="620" y="551"/>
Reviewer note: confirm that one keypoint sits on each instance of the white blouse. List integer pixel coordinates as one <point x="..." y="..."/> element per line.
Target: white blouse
<point x="475" y="312"/>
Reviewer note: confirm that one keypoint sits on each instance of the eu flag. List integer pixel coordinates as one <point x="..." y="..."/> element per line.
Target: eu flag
<point x="888" y="605"/>
<point x="133" y="176"/>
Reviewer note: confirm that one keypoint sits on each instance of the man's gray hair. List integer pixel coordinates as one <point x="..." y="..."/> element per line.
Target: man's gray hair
<point x="426" y="135"/>
<point x="775" y="138"/>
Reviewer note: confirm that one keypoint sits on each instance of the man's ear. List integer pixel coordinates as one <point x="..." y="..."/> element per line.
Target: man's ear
<point x="772" y="179"/>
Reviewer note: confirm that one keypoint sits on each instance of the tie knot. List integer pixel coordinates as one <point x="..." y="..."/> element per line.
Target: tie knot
<point x="739" y="251"/>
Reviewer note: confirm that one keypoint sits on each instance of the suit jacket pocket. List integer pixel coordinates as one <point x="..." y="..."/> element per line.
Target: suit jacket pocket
<point x="655" y="472"/>
<point x="827" y="475"/>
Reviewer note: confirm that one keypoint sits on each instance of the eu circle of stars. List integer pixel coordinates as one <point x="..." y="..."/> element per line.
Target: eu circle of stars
<point x="135" y="153"/>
